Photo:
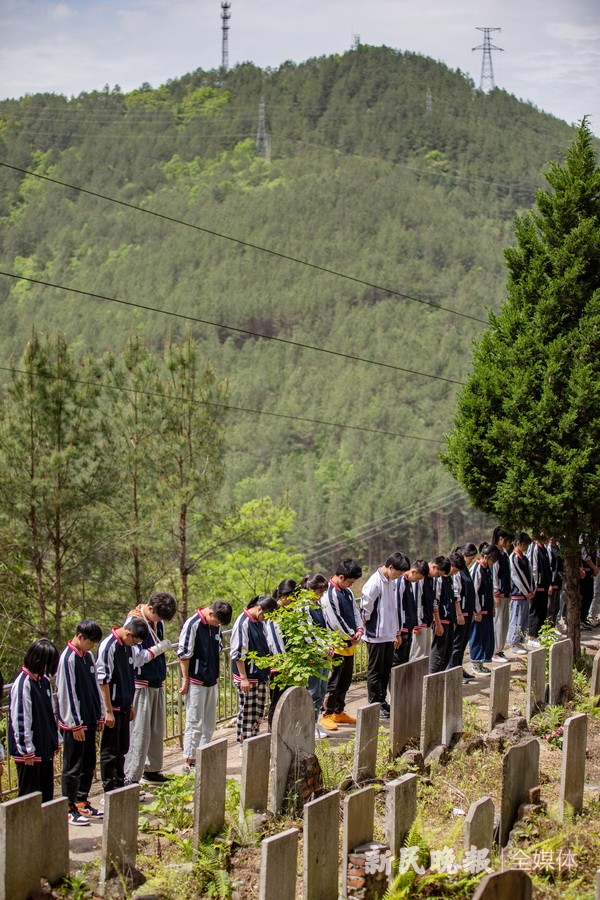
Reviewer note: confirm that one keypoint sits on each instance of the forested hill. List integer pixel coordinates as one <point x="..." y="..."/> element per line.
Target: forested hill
<point x="385" y="166"/>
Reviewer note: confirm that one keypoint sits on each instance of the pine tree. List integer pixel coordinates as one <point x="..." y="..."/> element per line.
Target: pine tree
<point x="527" y="430"/>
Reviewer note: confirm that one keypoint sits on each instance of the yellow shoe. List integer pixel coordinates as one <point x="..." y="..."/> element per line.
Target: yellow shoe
<point x="328" y="723"/>
<point x="344" y="719"/>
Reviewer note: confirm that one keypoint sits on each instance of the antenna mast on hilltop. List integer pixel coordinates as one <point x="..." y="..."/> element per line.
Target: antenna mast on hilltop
<point x="487" y="72"/>
<point x="263" y="138"/>
<point x="225" y="16"/>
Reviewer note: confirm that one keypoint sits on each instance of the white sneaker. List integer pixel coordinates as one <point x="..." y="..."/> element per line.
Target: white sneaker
<point x="320" y="733"/>
<point x="533" y="645"/>
<point x="519" y="649"/>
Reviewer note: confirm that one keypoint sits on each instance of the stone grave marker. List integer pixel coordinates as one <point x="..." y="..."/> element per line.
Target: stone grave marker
<point x="400" y="810"/>
<point x="359" y="812"/>
<point x="256" y="758"/>
<point x="292" y="733"/>
<point x="432" y="716"/>
<point x="279" y="860"/>
<point x="499" y="695"/>
<point x="453" y="704"/>
<point x="321" y="846"/>
<point x="560" y="679"/>
<point x="573" y="764"/>
<point x="536" y="682"/>
<point x="209" y="791"/>
<point x="521" y="772"/>
<point x="22" y="852"/>
<point x="406" y="691"/>
<point x="120" y="833"/>
<point x="595" y="682"/>
<point x="365" y="747"/>
<point x="479" y="825"/>
<point x="55" y="864"/>
<point x="512" y="884"/>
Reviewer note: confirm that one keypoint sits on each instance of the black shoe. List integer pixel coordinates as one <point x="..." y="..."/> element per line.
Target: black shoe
<point x="154" y="778"/>
<point x="385" y="705"/>
<point x="585" y="625"/>
<point x="384" y="713"/>
<point x="467" y="676"/>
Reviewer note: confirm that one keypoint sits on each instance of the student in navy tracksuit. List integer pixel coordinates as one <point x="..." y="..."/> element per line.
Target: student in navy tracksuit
<point x="464" y="594"/>
<point x="426" y="596"/>
<point x="199" y="646"/>
<point x="522" y="592"/>
<point x="556" y="571"/>
<point x="406" y="590"/>
<point x="501" y="581"/>
<point x="116" y="677"/>
<point x="316" y="584"/>
<point x="482" y="631"/>
<point x="284" y="593"/>
<point x="248" y="635"/>
<point x="445" y="611"/>
<point x="542" y="576"/>
<point x="80" y="717"/>
<point x="341" y="614"/>
<point x="32" y="731"/>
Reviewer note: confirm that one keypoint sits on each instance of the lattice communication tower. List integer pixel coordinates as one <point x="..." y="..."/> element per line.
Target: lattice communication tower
<point x="487" y="82"/>
<point x="225" y="17"/>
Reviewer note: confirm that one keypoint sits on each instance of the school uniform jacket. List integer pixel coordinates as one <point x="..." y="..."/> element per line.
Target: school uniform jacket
<point x="340" y="610"/>
<point x="114" y="666"/>
<point x="32" y="731"/>
<point x="484" y="589"/>
<point x="379" y="609"/>
<point x="429" y="597"/>
<point x="80" y="703"/>
<point x="248" y="635"/>
<point x="150" y="670"/>
<point x="201" y="643"/>
<point x="540" y="565"/>
<point x="521" y="576"/>
<point x="407" y="606"/>
<point x="464" y="591"/>
<point x="444" y="599"/>
<point x="501" y="575"/>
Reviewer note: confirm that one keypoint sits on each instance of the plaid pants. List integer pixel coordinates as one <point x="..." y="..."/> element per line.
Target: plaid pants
<point x="251" y="710"/>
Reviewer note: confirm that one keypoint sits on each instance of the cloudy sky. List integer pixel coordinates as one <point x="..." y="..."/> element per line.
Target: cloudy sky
<point x="551" y="47"/>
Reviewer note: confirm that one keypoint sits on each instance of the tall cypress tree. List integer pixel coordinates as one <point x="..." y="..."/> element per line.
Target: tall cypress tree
<point x="526" y="436"/>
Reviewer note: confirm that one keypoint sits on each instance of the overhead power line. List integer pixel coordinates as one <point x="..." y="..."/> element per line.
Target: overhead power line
<point x="197" y="320"/>
<point x="225" y="406"/>
<point x="227" y="237"/>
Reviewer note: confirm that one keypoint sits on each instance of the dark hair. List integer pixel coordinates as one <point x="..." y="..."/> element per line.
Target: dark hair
<point x="443" y="563"/>
<point x="422" y="566"/>
<point x="222" y="610"/>
<point x="41" y="658"/>
<point x="468" y="549"/>
<point x="163" y="604"/>
<point x="313" y="582"/>
<point x="138" y="628"/>
<point x="457" y="560"/>
<point x="90" y="630"/>
<point x="348" y="568"/>
<point x="267" y="604"/>
<point x="499" y="533"/>
<point x="398" y="561"/>
<point x="521" y="537"/>
<point x="285" y="588"/>
<point x="489" y="550"/>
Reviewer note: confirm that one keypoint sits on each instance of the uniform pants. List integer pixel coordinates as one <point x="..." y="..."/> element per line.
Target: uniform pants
<point x="317" y="688"/>
<point x="340" y="680"/>
<point x="381" y="657"/>
<point x="421" y="644"/>
<point x="79" y="762"/>
<point x="114" y="745"/>
<point x="147" y="733"/>
<point x="38" y="777"/>
<point x="481" y="646"/>
<point x="538" y="610"/>
<point x="501" y="620"/>
<point x="441" y="649"/>
<point x="459" y="642"/>
<point x="402" y="654"/>
<point x="519" y="621"/>
<point x="200" y="717"/>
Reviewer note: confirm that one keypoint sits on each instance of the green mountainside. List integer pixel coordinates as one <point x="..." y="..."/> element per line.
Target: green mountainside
<point x="385" y="166"/>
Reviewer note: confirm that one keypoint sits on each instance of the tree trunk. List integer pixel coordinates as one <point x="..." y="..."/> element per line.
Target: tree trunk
<point x="572" y="560"/>
<point x="183" y="566"/>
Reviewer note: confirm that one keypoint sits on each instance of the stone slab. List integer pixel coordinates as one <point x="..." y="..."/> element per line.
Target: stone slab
<point x="536" y="682"/>
<point x="359" y="812"/>
<point x="256" y="759"/>
<point x="512" y="884"/>
<point x="560" y="677"/>
<point x="21" y="852"/>
<point x="55" y="864"/>
<point x="120" y="832"/>
<point x="209" y="792"/>
<point x="400" y="810"/>
<point x="453" y="704"/>
<point x="279" y="861"/>
<point x="432" y="715"/>
<point x="595" y="682"/>
<point x="499" y="695"/>
<point x="521" y="772"/>
<point x="320" y="845"/>
<point x="293" y="730"/>
<point x="479" y="825"/>
<point x="406" y="692"/>
<point x="572" y="776"/>
<point x="365" y="747"/>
